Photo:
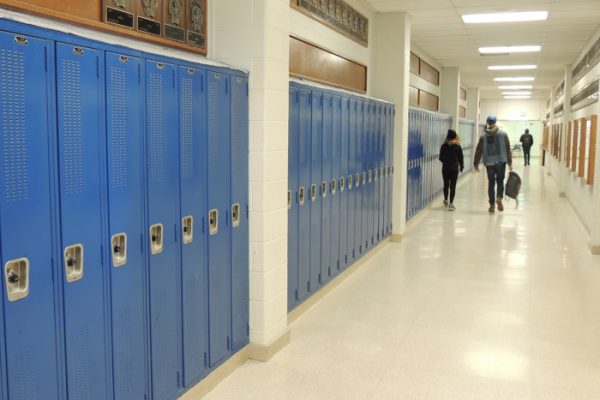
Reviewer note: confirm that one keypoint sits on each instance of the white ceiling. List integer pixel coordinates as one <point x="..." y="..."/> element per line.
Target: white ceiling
<point x="438" y="30"/>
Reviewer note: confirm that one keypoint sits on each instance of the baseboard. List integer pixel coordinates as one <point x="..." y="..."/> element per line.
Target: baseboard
<point x="265" y="353"/>
<point x="335" y="282"/>
<point x="217" y="376"/>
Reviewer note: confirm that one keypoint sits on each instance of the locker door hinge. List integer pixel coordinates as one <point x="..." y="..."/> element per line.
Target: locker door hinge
<point x="141" y="243"/>
<point x="227" y="218"/>
<point x="205" y="360"/>
<point x="228" y="344"/>
<point x="175" y="232"/>
<point x="46" y="58"/>
<point x="296" y="294"/>
<point x="178" y="379"/>
<point x="202" y="224"/>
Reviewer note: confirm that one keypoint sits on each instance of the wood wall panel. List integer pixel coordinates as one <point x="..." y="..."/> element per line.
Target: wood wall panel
<point x="582" y="139"/>
<point x="428" y="100"/>
<point x="568" y="155"/>
<point x="592" y="155"/>
<point x="414" y="64"/>
<point x="574" y="148"/>
<point x="90" y="9"/>
<point x="462" y="112"/>
<point x="429" y="73"/>
<point x="310" y="61"/>
<point x="413" y="96"/>
<point x="463" y="94"/>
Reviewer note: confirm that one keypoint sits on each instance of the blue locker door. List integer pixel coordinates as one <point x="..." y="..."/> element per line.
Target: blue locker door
<point x="239" y="212"/>
<point x="376" y="182"/>
<point x="334" y="190"/>
<point x="29" y="364"/>
<point x="343" y="183"/>
<point x="366" y="184"/>
<point x="192" y="153"/>
<point x="292" y="198"/>
<point x="125" y="162"/>
<point x="315" y="187"/>
<point x="219" y="196"/>
<point x="391" y="166"/>
<point x="358" y="178"/>
<point x="373" y="217"/>
<point x="381" y="166"/>
<point x="81" y="146"/>
<point x="350" y="184"/>
<point x="326" y="248"/>
<point x="162" y="124"/>
<point x="304" y="131"/>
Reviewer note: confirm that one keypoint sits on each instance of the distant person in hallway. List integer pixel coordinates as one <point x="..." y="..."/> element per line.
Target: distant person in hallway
<point x="494" y="148"/>
<point x="451" y="156"/>
<point x="526" y="141"/>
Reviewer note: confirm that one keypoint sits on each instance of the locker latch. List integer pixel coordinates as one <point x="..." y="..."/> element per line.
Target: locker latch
<point x="357" y="180"/>
<point x="364" y="178"/>
<point x="342" y="184"/>
<point x="74" y="262"/>
<point x="22" y="40"/>
<point x="289" y="199"/>
<point x="370" y="176"/>
<point x="301" y="195"/>
<point x="333" y="186"/>
<point x="235" y="215"/>
<point x="119" y="249"/>
<point x="323" y="189"/>
<point x="156" y="239"/>
<point x="213" y="221"/>
<point x="187" y="227"/>
<point x="313" y="192"/>
<point x="375" y="174"/>
<point x="16" y="276"/>
<point x="349" y="182"/>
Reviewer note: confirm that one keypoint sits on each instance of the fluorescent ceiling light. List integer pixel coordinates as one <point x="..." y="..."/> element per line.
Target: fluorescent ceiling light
<point x="520" y="93"/>
<point x="509" y="49"/>
<point x="510" y="67"/>
<point x="517" y="97"/>
<point x="515" y="87"/>
<point x="515" y="79"/>
<point x="505" y="17"/>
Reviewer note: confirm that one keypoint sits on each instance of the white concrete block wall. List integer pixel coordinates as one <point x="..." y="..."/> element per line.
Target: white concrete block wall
<point x="254" y="34"/>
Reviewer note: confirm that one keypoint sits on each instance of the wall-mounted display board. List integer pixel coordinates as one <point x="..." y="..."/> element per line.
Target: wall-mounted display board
<point x="574" y="148"/>
<point x="421" y="98"/>
<point x="582" y="147"/>
<point x="592" y="129"/>
<point x="425" y="71"/>
<point x="173" y="23"/>
<point x="310" y="61"/>
<point x="338" y="15"/>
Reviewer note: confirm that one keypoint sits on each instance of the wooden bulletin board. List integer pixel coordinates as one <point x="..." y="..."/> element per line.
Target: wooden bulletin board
<point x="592" y="151"/>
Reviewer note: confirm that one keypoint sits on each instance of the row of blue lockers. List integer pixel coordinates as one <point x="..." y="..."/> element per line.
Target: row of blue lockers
<point x="124" y="276"/>
<point x="426" y="133"/>
<point x="340" y="183"/>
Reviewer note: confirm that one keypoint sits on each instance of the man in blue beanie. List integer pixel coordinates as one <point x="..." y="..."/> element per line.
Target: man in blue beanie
<point x="494" y="148"/>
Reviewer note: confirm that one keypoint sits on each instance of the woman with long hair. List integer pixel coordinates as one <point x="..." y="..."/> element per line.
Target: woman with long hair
<point x="451" y="156"/>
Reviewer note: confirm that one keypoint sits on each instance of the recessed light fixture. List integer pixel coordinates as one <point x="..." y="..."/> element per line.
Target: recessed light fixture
<point x="519" y="93"/>
<point x="491" y="18"/>
<point x="517" y="97"/>
<point x="515" y="87"/>
<point x="515" y="79"/>
<point x="510" y="67"/>
<point x="509" y="49"/>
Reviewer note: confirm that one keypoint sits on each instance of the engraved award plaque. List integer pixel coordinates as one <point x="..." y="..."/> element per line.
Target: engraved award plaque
<point x="196" y="22"/>
<point x="119" y="12"/>
<point x="174" y="20"/>
<point x="149" y="16"/>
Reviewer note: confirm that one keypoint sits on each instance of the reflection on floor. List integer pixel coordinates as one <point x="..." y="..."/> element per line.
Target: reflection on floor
<point x="468" y="306"/>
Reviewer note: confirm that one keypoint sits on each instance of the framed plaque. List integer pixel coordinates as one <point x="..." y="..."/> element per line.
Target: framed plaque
<point x="174" y="20"/>
<point x="196" y="23"/>
<point x="119" y="12"/>
<point x="149" y="16"/>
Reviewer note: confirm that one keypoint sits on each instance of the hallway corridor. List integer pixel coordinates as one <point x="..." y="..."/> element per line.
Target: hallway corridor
<point x="468" y="306"/>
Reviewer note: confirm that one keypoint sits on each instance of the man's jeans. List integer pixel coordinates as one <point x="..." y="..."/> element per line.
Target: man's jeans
<point x="495" y="175"/>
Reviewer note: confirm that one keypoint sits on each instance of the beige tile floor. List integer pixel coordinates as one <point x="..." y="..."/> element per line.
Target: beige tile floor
<point x="468" y="306"/>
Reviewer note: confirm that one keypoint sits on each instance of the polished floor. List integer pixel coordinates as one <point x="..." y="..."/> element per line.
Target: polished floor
<point x="468" y="306"/>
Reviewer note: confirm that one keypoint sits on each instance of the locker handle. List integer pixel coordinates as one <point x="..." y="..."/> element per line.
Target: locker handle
<point x="213" y="221"/>
<point x="78" y="51"/>
<point x="301" y="195"/>
<point x="156" y="239"/>
<point x="364" y="178"/>
<point x="333" y="186"/>
<point x="73" y="257"/>
<point x="22" y="40"/>
<point x="289" y="199"/>
<point x="370" y="174"/>
<point x="349" y="182"/>
<point x="235" y="215"/>
<point x="160" y="66"/>
<point x="313" y="192"/>
<point x="123" y="59"/>
<point x="342" y="184"/>
<point x="187" y="226"/>
<point x="323" y="189"/>
<point x="357" y="180"/>
<point x="119" y="249"/>
<point x="16" y="273"/>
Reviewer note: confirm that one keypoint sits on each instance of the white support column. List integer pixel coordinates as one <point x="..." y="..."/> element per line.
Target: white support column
<point x="450" y="92"/>
<point x="563" y="175"/>
<point x="473" y="105"/>
<point x="255" y="35"/>
<point x="390" y="82"/>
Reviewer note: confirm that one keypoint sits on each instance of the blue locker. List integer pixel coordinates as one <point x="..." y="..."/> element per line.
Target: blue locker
<point x="326" y="170"/>
<point x="344" y="191"/>
<point x="193" y="243"/>
<point x="381" y="174"/>
<point x="304" y="130"/>
<point x="334" y="190"/>
<point x="239" y="212"/>
<point x="292" y="198"/>
<point x="125" y="167"/>
<point x="359" y="178"/>
<point x="351" y="188"/>
<point x="315" y="187"/>
<point x="376" y="169"/>
<point x="366" y="182"/>
<point x="390" y="163"/>
<point x="80" y="80"/>
<point x="162" y="125"/>
<point x="219" y="196"/>
<point x="29" y="350"/>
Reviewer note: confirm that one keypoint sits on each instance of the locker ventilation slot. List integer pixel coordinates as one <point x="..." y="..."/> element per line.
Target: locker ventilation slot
<point x="186" y="114"/>
<point x="16" y="278"/>
<point x="156" y="127"/>
<point x="118" y="126"/>
<point x="213" y="128"/>
<point x="12" y="80"/>
<point x="25" y="375"/>
<point x="72" y="130"/>
<point x="238" y="131"/>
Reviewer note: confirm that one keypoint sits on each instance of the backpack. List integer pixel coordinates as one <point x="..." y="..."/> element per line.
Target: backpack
<point x="526" y="141"/>
<point x="513" y="185"/>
